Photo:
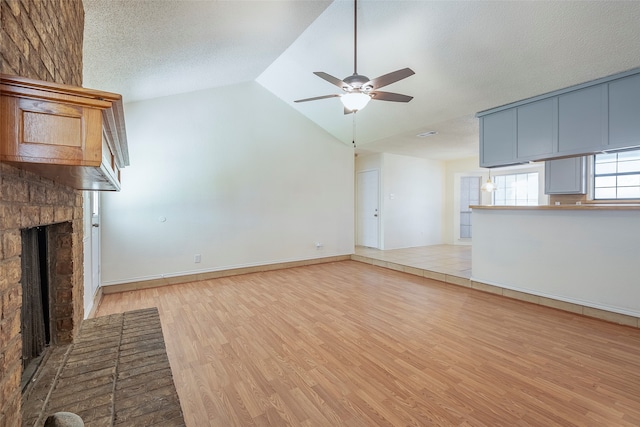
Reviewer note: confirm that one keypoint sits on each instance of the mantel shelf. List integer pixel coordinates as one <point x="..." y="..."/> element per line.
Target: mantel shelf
<point x="72" y="135"/>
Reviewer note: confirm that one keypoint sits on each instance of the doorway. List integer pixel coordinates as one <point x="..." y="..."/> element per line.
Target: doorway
<point x="368" y="209"/>
<point x="95" y="242"/>
<point x="91" y="249"/>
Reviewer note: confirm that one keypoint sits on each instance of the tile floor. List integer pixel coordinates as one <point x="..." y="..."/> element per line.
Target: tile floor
<point x="452" y="260"/>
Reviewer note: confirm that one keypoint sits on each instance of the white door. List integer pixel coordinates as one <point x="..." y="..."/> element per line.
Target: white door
<point x="95" y="241"/>
<point x="368" y="209"/>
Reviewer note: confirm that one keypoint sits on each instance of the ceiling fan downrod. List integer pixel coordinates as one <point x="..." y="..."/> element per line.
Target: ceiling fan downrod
<point x="355" y="37"/>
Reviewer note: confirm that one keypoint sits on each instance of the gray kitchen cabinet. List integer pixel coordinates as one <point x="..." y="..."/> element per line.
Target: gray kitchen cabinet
<point x="624" y="113"/>
<point x="537" y="129"/>
<point x="565" y="176"/>
<point x="582" y="121"/>
<point x="499" y="130"/>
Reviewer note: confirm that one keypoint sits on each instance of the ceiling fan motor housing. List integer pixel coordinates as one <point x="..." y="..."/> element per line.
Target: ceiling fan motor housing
<point x="357" y="82"/>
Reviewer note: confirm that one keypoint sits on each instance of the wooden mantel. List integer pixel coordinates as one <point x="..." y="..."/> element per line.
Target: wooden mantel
<point x="72" y="135"/>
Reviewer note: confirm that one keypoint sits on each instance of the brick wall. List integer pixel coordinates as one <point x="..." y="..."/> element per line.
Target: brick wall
<point x="41" y="40"/>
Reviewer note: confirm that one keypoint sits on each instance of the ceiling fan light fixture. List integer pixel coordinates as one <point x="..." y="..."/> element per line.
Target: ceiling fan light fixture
<point x="355" y="101"/>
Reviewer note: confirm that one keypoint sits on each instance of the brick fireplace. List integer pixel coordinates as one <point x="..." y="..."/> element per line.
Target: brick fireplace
<point x="40" y="40"/>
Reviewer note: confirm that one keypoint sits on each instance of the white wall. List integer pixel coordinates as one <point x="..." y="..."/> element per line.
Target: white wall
<point x="369" y="161"/>
<point x="585" y="257"/>
<point x="411" y="199"/>
<point x="233" y="174"/>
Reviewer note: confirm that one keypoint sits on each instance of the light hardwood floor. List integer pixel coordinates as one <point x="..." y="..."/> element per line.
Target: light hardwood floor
<point x="357" y="345"/>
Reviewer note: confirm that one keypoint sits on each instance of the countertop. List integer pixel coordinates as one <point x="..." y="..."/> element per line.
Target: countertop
<point x="584" y="206"/>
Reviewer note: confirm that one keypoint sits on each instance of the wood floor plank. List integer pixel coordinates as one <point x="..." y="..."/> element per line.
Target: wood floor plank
<point x="352" y="344"/>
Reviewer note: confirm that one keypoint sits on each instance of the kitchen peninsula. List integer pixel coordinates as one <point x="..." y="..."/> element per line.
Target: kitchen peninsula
<point x="586" y="255"/>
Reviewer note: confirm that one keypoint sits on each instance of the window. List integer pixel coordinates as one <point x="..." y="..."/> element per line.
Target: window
<point x="519" y="189"/>
<point x="469" y="195"/>
<point x="617" y="175"/>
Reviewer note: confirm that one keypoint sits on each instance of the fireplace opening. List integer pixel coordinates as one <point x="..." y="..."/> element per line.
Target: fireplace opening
<point x="35" y="324"/>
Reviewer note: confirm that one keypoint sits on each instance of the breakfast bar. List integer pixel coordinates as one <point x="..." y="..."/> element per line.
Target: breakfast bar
<point x="586" y="254"/>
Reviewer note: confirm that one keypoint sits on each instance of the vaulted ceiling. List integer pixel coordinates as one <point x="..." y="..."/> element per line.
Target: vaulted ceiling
<point x="467" y="55"/>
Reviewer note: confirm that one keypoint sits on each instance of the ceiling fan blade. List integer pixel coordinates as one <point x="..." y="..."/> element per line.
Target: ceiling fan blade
<point x="333" y="80"/>
<point x="392" y="77"/>
<point x="315" y="98"/>
<point x="389" y="96"/>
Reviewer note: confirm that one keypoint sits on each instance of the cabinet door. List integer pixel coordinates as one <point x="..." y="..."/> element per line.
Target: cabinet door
<point x="624" y="113"/>
<point x="565" y="176"/>
<point x="537" y="129"/>
<point x="582" y="121"/>
<point x="498" y="138"/>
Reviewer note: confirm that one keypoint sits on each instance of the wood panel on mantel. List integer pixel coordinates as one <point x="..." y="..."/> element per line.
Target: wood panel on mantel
<point x="350" y="344"/>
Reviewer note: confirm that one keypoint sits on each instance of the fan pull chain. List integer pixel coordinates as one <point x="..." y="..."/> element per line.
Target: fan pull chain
<point x="353" y="140"/>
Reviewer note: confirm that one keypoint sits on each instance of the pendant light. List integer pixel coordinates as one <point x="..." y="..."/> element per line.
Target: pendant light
<point x="489" y="186"/>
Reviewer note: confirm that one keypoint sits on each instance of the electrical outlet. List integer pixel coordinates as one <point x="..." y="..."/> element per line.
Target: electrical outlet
<point x="197" y="258"/>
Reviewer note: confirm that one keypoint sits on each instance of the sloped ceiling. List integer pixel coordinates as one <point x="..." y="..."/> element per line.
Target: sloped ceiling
<point x="468" y="56"/>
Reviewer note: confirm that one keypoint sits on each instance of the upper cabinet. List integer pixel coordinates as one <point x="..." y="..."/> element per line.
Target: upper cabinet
<point x="537" y="134"/>
<point x="582" y="124"/>
<point x="624" y="112"/>
<point x="72" y="135"/>
<point x="500" y="129"/>
<point x="584" y="119"/>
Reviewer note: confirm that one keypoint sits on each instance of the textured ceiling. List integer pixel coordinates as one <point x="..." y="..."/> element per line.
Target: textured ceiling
<point x="468" y="56"/>
<point x="144" y="49"/>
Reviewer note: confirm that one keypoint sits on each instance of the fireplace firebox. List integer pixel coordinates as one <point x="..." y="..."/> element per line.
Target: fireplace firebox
<point x="47" y="267"/>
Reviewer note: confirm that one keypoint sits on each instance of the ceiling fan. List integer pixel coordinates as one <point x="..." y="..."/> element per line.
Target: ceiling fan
<point x="358" y="89"/>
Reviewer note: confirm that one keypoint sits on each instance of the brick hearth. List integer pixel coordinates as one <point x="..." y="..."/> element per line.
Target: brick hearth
<point x="116" y="373"/>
